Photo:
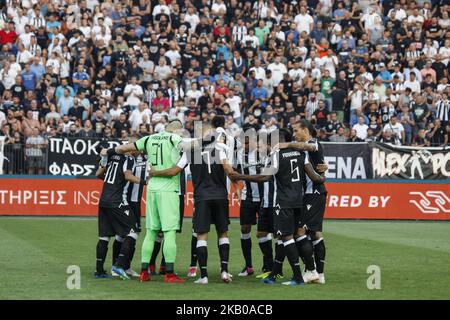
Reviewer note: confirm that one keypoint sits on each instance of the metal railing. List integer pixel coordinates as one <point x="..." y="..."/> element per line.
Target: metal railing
<point x="18" y="160"/>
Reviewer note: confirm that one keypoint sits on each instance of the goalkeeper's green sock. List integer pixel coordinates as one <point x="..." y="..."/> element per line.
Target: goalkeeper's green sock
<point x="170" y="250"/>
<point x="147" y="248"/>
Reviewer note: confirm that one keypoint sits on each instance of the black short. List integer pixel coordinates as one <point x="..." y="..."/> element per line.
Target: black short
<point x="136" y="209"/>
<point x="115" y="221"/>
<point x="211" y="211"/>
<point x="181" y="212"/>
<point x="286" y="220"/>
<point x="314" y="211"/>
<point x="265" y="221"/>
<point x="249" y="212"/>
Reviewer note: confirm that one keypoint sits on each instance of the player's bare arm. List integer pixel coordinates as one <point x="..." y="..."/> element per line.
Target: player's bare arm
<point x="298" y="145"/>
<point x="316" y="178"/>
<point x="322" y="168"/>
<point x="100" y="173"/>
<point x="122" y="149"/>
<point x="133" y="179"/>
<point x="165" y="173"/>
<point x="265" y="175"/>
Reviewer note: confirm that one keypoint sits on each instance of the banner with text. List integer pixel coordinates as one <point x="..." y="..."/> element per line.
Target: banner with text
<point x="74" y="157"/>
<point x="393" y="162"/>
<point x="347" y="160"/>
<point x="346" y="200"/>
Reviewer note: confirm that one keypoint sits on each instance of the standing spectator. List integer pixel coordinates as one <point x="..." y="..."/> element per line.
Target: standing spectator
<point x="396" y="129"/>
<point x="35" y="146"/>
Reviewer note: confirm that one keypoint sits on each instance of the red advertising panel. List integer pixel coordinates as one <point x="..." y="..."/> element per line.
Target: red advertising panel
<point x="346" y="200"/>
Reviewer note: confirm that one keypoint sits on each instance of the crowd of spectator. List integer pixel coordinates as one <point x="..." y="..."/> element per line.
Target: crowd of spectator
<point x="364" y="70"/>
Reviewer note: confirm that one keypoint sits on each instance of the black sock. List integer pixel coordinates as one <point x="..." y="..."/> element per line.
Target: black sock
<point x="133" y="249"/>
<point x="156" y="250"/>
<point x="224" y="253"/>
<point x="102" y="251"/>
<point x="292" y="255"/>
<point x="305" y="250"/>
<point x="279" y="259"/>
<point x="163" y="261"/>
<point x="319" y="254"/>
<point x="125" y="251"/>
<point x="265" y="244"/>
<point x="169" y="267"/>
<point x="246" y="245"/>
<point x="202" y="255"/>
<point x="193" y="250"/>
<point x="116" y="250"/>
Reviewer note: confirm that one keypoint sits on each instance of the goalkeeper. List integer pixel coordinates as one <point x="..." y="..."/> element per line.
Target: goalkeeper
<point x="162" y="202"/>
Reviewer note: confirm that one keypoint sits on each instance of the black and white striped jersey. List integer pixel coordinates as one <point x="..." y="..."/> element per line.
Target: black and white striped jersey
<point x="267" y="199"/>
<point x="183" y="164"/>
<point x="443" y="110"/>
<point x="139" y="170"/>
<point x="115" y="187"/>
<point x="315" y="158"/>
<point x="249" y="164"/>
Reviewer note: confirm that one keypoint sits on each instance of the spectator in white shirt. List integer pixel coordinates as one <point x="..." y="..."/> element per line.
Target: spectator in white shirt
<point x="278" y="70"/>
<point x="142" y="114"/>
<point x="234" y="102"/>
<point x="361" y="128"/>
<point x="304" y="21"/>
<point x="134" y="93"/>
<point x="412" y="83"/>
<point x="192" y="18"/>
<point x="161" y="7"/>
<point x="398" y="131"/>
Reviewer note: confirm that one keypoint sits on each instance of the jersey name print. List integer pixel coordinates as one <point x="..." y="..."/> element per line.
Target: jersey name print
<point x="290" y="177"/>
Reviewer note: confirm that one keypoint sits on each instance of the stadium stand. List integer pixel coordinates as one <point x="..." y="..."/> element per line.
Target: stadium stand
<point x="359" y="70"/>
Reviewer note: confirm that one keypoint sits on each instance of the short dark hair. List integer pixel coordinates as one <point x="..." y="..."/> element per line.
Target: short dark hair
<point x="285" y="135"/>
<point x="218" y="122"/>
<point x="307" y="124"/>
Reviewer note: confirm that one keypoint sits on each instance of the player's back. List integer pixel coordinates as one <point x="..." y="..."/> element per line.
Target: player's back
<point x="115" y="187"/>
<point x="315" y="158"/>
<point x="289" y="178"/>
<point x="163" y="154"/>
<point x="135" y="190"/>
<point x="208" y="176"/>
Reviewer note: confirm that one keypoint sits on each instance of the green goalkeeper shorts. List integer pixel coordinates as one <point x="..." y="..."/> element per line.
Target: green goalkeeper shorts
<point x="163" y="211"/>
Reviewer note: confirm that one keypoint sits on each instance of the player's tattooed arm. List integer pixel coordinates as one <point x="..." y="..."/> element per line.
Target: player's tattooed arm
<point x="298" y="145"/>
<point x="316" y="178"/>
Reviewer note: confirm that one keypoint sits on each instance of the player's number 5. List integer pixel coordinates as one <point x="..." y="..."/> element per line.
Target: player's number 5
<point x="295" y="171"/>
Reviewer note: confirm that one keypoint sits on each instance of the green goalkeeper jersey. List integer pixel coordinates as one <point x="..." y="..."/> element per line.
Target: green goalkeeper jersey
<point x="162" y="153"/>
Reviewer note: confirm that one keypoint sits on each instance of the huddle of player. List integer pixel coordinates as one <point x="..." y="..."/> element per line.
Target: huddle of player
<point x="283" y="190"/>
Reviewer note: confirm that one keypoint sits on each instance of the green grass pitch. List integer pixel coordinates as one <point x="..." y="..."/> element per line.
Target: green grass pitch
<point x="414" y="259"/>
